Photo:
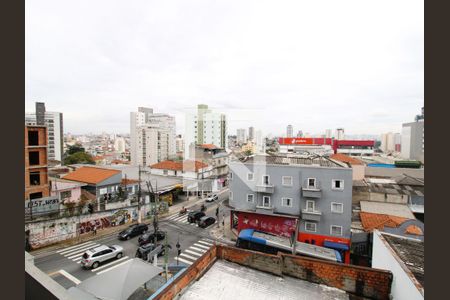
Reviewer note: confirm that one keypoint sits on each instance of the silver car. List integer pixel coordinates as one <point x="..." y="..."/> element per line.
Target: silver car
<point x="94" y="256"/>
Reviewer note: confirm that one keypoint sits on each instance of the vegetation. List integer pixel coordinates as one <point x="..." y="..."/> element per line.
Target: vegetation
<point x="80" y="157"/>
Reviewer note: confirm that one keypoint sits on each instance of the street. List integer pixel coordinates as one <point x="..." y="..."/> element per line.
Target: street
<point x="63" y="265"/>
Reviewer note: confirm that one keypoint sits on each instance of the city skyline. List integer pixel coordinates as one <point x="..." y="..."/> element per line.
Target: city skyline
<point x="164" y="55"/>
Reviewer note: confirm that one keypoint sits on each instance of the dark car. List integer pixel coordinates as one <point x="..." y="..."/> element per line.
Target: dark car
<point x="132" y="231"/>
<point x="194" y="216"/>
<point x="206" y="221"/>
<point x="149" y="237"/>
<point x="150" y="249"/>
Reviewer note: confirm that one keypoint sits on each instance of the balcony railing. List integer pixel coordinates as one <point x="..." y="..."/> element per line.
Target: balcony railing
<point x="310" y="215"/>
<point x="264" y="188"/>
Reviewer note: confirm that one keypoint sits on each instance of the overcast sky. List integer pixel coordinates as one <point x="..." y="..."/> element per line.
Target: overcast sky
<point x="313" y="64"/>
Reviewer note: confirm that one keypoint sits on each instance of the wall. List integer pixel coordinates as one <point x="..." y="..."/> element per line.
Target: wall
<point x="44" y="233"/>
<point x="358" y="172"/>
<point x="402" y="285"/>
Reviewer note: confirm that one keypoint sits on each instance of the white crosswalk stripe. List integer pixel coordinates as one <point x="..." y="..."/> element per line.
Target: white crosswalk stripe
<point x="185" y="261"/>
<point x="185" y="222"/>
<point x="113" y="267"/>
<point x="201" y="246"/>
<point x="79" y="251"/>
<point x="193" y="253"/>
<point x="205" y="243"/>
<point x="73" y="248"/>
<point x="188" y="256"/>
<point x="207" y="240"/>
<point x="110" y="264"/>
<point x="180" y="218"/>
<point x="197" y="249"/>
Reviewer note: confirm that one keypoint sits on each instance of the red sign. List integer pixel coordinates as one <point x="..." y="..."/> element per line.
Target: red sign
<point x="271" y="224"/>
<point x="305" y="141"/>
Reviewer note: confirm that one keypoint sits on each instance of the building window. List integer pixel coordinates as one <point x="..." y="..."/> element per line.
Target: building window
<point x="37" y="195"/>
<point x="310" y="205"/>
<point x="311" y="227"/>
<point x="312" y="183"/>
<point x="336" y="230"/>
<point x="231" y="195"/>
<point x="286" y="180"/>
<point x="33" y="138"/>
<point x="286" y="202"/>
<point x="35" y="178"/>
<point x="231" y="176"/>
<point x="337" y="184"/>
<point x="337" y="207"/>
<point x="165" y="172"/>
<point x="34" y="158"/>
<point x="250" y="198"/>
<point x="266" y="201"/>
<point x="250" y="176"/>
<point x="266" y="179"/>
<point x="66" y="194"/>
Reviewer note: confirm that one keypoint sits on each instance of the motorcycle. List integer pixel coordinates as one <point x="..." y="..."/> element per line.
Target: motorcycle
<point x="182" y="211"/>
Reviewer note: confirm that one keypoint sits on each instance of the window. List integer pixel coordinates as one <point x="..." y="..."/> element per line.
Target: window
<point x="337" y="184"/>
<point x="250" y="176"/>
<point x="165" y="172"/>
<point x="250" y="197"/>
<point x="311" y="182"/>
<point x="37" y="195"/>
<point x="286" y="202"/>
<point x="266" y="201"/>
<point x="311" y="227"/>
<point x="286" y="180"/>
<point x="265" y="179"/>
<point x="66" y="194"/>
<point x="35" y="178"/>
<point x="336" y="230"/>
<point x="310" y="205"/>
<point x="34" y="158"/>
<point x="231" y="176"/>
<point x="231" y="195"/>
<point x="33" y="138"/>
<point x="337" y="207"/>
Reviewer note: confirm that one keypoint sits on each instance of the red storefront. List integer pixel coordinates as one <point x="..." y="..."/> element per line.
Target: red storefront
<point x="284" y="225"/>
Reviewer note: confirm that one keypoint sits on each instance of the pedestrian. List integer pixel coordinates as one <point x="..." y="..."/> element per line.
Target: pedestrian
<point x="94" y="229"/>
<point x="223" y="220"/>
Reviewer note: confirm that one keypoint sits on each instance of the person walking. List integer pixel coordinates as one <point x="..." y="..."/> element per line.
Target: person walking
<point x="94" y="229"/>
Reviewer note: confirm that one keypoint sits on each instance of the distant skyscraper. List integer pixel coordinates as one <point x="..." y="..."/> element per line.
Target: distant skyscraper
<point x="54" y="123"/>
<point x="251" y="134"/>
<point x="260" y="142"/>
<point x="340" y="134"/>
<point x="152" y="137"/>
<point x="290" y="131"/>
<point x="241" y="136"/>
<point x="328" y="134"/>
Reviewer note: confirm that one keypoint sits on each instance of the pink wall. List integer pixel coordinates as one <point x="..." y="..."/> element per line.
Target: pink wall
<point x="58" y="187"/>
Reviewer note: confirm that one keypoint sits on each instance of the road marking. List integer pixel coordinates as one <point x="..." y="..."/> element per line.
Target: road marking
<point x="193" y="224"/>
<point x="75" y="253"/>
<point x="197" y="249"/>
<point x="193" y="253"/>
<point x="66" y="250"/>
<point x="70" y="277"/>
<point x="78" y="258"/>
<point x="185" y="222"/>
<point x="207" y="240"/>
<point x="201" y="246"/>
<point x="180" y="218"/>
<point x="108" y="264"/>
<point x="125" y="262"/>
<point x="185" y="261"/>
<point x="206" y="243"/>
<point x="188" y="256"/>
<point x="172" y="217"/>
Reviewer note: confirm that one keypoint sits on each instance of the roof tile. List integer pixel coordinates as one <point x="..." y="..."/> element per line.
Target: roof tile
<point x="91" y="175"/>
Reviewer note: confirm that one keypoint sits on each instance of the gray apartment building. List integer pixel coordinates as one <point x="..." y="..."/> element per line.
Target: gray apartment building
<point x="316" y="190"/>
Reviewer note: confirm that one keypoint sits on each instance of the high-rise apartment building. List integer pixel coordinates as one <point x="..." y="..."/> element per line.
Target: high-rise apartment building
<point x="241" y="136"/>
<point x="340" y="134"/>
<point x="289" y="131"/>
<point x="205" y="127"/>
<point x="152" y="137"/>
<point x="251" y="133"/>
<point x="119" y="144"/>
<point x="413" y="139"/>
<point x="328" y="134"/>
<point x="55" y="133"/>
<point x="299" y="134"/>
<point x="179" y="141"/>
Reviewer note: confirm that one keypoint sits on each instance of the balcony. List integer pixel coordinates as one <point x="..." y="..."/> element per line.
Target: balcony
<point x="264" y="188"/>
<point x="309" y="215"/>
<point x="311" y="192"/>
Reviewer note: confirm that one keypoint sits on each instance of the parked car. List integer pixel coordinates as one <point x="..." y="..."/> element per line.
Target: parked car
<point x="93" y="257"/>
<point x="149" y="237"/>
<point x="132" y="231"/>
<point x="206" y="221"/>
<point x="194" y="216"/>
<point x="212" y="198"/>
<point x="150" y="249"/>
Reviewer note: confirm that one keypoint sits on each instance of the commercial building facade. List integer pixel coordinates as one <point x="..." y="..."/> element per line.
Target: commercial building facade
<point x="413" y="141"/>
<point x="317" y="192"/>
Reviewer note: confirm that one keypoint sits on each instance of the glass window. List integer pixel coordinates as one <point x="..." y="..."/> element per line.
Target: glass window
<point x="310" y="205"/>
<point x="336" y="230"/>
<point x="250" y="197"/>
<point x="311" y="227"/>
<point x="337" y="207"/>
<point x="266" y="201"/>
<point x="266" y="179"/>
<point x="311" y="182"/>
<point x="338" y="184"/>
<point x="250" y="176"/>
<point x="286" y="180"/>
<point x="286" y="202"/>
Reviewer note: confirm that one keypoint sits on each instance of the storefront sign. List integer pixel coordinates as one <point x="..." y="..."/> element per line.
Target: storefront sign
<point x="42" y="205"/>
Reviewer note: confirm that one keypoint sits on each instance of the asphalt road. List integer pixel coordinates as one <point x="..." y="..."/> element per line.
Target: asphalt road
<point x="64" y="267"/>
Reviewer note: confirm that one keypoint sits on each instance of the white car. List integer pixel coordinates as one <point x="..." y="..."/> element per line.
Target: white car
<point x="212" y="198"/>
<point x="94" y="256"/>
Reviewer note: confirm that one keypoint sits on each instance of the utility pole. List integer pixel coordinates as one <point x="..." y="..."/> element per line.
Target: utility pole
<point x="166" y="257"/>
<point x="294" y="240"/>
<point x="139" y="196"/>
<point x="178" y="248"/>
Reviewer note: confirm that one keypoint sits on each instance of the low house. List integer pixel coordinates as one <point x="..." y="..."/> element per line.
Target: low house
<point x="103" y="183"/>
<point x="190" y="169"/>
<point x="404" y="257"/>
<point x="66" y="191"/>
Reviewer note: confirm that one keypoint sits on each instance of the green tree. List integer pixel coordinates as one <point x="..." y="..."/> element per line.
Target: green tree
<point x="79" y="158"/>
<point x="74" y="149"/>
<point x="248" y="152"/>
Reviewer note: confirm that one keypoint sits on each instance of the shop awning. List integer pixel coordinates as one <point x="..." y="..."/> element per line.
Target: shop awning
<point x="337" y="246"/>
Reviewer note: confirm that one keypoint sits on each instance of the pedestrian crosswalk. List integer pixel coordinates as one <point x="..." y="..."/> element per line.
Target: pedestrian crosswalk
<point x="180" y="219"/>
<point x="75" y="254"/>
<point x="191" y="254"/>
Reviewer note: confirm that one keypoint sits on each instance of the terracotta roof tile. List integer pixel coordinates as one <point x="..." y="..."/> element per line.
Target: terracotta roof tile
<point x="413" y="229"/>
<point x="346" y="159"/>
<point x="91" y="175"/>
<point x="209" y="146"/>
<point x="371" y="221"/>
<point x="129" y="181"/>
<point x="187" y="165"/>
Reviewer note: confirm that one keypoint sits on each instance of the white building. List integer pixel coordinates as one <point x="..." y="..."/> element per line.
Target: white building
<point x="260" y="142"/>
<point x="340" y="134"/>
<point x="251" y="134"/>
<point x="241" y="135"/>
<point x="119" y="144"/>
<point x="152" y="137"/>
<point x="205" y="127"/>
<point x="328" y="134"/>
<point x="289" y="131"/>
<point x="54" y="123"/>
<point x="387" y="142"/>
<point x="413" y="139"/>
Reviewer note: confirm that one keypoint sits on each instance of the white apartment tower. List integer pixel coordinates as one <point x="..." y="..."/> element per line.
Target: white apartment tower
<point x="289" y="131"/>
<point x="340" y="134"/>
<point x="152" y="137"/>
<point x="241" y="136"/>
<point x="251" y="133"/>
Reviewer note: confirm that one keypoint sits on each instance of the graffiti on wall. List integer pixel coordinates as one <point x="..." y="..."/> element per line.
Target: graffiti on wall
<point x="52" y="233"/>
<point x="270" y="224"/>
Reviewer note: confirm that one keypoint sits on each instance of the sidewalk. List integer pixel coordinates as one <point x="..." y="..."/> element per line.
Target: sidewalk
<point x="223" y="234"/>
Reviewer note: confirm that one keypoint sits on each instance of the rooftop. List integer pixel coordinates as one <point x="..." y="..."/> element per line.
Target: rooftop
<point x="312" y="160"/>
<point x="371" y="221"/>
<point x="92" y="175"/>
<point x="411" y="252"/>
<point x="347" y="159"/>
<point x="209" y="146"/>
<point x="227" y="280"/>
<point x="392" y="209"/>
<point x="186" y="165"/>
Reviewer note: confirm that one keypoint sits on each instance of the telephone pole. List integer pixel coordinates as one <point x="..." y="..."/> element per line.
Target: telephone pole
<point x="139" y="196"/>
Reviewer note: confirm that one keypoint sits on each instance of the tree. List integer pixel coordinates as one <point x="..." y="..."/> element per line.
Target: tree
<point x="248" y="152"/>
<point x="74" y="149"/>
<point x="79" y="158"/>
